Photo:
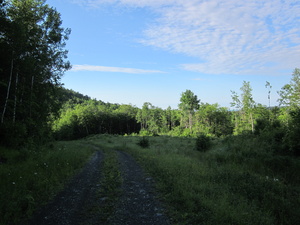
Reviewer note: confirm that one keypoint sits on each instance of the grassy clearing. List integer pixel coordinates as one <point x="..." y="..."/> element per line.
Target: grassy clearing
<point x="30" y="178"/>
<point x="237" y="181"/>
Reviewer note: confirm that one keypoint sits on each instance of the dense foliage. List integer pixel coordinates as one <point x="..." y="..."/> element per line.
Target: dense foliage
<point x="32" y="61"/>
<point x="81" y="116"/>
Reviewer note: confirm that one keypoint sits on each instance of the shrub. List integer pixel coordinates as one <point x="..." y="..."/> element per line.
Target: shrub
<point x="202" y="142"/>
<point x="144" y="142"/>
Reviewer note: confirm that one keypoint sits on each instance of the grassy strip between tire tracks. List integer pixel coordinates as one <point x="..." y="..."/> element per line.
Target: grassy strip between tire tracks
<point x="110" y="184"/>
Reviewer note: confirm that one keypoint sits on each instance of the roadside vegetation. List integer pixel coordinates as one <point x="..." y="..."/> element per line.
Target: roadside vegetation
<point x="31" y="177"/>
<point x="236" y="181"/>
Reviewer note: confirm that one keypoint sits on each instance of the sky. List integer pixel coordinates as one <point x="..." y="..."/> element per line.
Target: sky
<point x="136" y="51"/>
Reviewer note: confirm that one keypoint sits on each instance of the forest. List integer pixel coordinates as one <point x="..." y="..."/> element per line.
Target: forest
<point x="199" y="153"/>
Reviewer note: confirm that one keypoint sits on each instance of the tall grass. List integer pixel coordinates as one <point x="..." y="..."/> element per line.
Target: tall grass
<point x="31" y="177"/>
<point x="236" y="182"/>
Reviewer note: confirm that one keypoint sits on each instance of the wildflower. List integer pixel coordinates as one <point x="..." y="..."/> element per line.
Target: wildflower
<point x="20" y="177"/>
<point x="13" y="183"/>
<point x="35" y="173"/>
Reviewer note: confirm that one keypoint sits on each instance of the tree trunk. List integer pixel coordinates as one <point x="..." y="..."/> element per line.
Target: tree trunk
<point x="190" y="120"/>
<point x="15" y="105"/>
<point x="252" y="122"/>
<point x="31" y="93"/>
<point x="8" y="90"/>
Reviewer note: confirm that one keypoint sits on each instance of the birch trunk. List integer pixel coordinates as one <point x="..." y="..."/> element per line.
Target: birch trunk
<point x="8" y="90"/>
<point x="15" y="105"/>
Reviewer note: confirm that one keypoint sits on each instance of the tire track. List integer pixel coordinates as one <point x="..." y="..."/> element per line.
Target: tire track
<point x="138" y="204"/>
<point x="70" y="206"/>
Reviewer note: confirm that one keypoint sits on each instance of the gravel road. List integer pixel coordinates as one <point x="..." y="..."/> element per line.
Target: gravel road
<point x="77" y="204"/>
<point x="67" y="207"/>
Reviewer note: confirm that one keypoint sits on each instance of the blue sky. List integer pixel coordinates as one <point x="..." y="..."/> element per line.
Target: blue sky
<point x="136" y="51"/>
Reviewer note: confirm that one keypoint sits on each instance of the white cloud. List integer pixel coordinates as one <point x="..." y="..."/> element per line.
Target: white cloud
<point x="112" y="69"/>
<point x="133" y="3"/>
<point x="236" y="37"/>
<point x="227" y="36"/>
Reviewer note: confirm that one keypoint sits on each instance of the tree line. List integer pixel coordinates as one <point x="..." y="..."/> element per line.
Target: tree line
<point x="82" y="117"/>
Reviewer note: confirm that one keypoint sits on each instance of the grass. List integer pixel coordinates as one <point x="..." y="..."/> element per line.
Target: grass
<point x="31" y="177"/>
<point x="237" y="181"/>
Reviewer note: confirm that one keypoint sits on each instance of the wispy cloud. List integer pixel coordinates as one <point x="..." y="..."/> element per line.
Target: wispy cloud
<point x="227" y="36"/>
<point x="112" y="69"/>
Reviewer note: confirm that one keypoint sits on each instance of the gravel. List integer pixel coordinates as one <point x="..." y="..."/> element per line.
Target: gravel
<point x="67" y="207"/>
<point x="138" y="204"/>
<point x="79" y="204"/>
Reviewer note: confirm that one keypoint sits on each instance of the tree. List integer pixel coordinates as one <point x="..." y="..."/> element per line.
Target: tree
<point x="151" y="118"/>
<point x="268" y="85"/>
<point x="188" y="104"/>
<point x="290" y="93"/>
<point x="143" y="115"/>
<point x="33" y="59"/>
<point x="213" y="120"/>
<point x="245" y="108"/>
<point x="248" y="103"/>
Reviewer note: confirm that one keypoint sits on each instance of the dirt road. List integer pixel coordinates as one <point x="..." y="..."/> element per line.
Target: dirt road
<point x="79" y="203"/>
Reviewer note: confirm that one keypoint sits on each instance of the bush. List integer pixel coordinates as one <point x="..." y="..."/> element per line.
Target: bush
<point x="292" y="136"/>
<point x="144" y="142"/>
<point x="203" y="142"/>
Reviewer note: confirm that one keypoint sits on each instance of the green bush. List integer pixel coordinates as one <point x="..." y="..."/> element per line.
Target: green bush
<point x="203" y="143"/>
<point x="144" y="142"/>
